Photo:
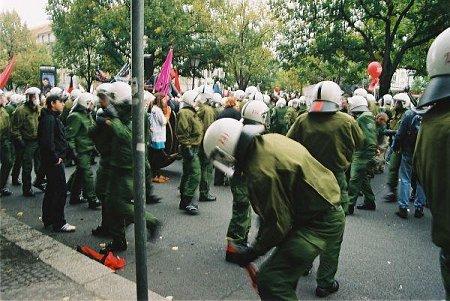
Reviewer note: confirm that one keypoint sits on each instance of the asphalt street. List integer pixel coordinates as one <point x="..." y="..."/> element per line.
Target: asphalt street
<point x="382" y="257"/>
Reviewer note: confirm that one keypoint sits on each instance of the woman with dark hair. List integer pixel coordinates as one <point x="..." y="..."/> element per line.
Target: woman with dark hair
<point x="158" y="136"/>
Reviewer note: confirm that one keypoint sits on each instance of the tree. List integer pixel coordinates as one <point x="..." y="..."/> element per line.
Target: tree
<point x="361" y="30"/>
<point x="14" y="36"/>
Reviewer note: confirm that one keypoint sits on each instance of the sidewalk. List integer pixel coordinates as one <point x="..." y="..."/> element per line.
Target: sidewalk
<point x="35" y="266"/>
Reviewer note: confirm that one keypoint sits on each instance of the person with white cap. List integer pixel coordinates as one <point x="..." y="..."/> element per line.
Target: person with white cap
<point x="79" y="126"/>
<point x="432" y="152"/>
<point x="25" y="122"/>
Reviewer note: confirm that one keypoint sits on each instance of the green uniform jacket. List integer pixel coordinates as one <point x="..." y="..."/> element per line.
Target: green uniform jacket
<point x="189" y="127"/>
<point x="65" y="114"/>
<point x="5" y="125"/>
<point x="10" y="109"/>
<point x="366" y="122"/>
<point x="121" y="144"/>
<point x="207" y="115"/>
<point x="102" y="136"/>
<point x="432" y="166"/>
<point x="290" y="116"/>
<point x="330" y="138"/>
<point x="288" y="188"/>
<point x="25" y="121"/>
<point x="394" y="124"/>
<point x="277" y="122"/>
<point x="79" y="125"/>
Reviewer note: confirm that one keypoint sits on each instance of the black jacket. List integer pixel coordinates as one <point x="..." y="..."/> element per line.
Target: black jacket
<point x="51" y="137"/>
<point x="230" y="113"/>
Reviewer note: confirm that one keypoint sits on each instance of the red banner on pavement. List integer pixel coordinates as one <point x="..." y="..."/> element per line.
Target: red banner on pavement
<point x="4" y="77"/>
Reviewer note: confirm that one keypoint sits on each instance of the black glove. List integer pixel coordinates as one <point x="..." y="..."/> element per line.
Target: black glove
<point x="100" y="120"/>
<point x="243" y="256"/>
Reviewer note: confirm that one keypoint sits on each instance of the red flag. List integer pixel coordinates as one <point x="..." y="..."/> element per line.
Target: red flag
<point x="4" y="77"/>
<point x="70" y="85"/>
<point x="163" y="82"/>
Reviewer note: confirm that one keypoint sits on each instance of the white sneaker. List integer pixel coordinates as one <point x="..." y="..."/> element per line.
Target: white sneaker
<point x="67" y="228"/>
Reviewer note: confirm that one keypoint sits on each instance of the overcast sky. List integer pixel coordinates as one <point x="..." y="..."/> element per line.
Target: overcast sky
<point x="30" y="11"/>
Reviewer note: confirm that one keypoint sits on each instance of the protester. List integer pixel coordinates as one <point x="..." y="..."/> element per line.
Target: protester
<point x="158" y="136"/>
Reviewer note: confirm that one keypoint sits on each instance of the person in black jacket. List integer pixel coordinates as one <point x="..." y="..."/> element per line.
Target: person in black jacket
<point x="53" y="148"/>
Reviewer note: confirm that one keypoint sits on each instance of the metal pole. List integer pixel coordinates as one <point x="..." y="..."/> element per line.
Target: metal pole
<point x="137" y="85"/>
<point x="193" y="78"/>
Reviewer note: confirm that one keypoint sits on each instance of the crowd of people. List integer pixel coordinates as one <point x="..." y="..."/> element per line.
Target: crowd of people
<point x="299" y="162"/>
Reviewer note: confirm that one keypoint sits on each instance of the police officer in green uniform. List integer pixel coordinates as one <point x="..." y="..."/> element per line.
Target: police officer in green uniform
<point x="400" y="102"/>
<point x="207" y="115"/>
<point x="363" y="157"/>
<point x="190" y="135"/>
<point x="16" y="101"/>
<point x="432" y="153"/>
<point x="25" y="122"/>
<point x="329" y="135"/>
<point x="297" y="199"/>
<point x="291" y="112"/>
<point x="120" y="209"/>
<point x="257" y="113"/>
<point x="79" y="126"/>
<point x="277" y="121"/>
<point x="6" y="148"/>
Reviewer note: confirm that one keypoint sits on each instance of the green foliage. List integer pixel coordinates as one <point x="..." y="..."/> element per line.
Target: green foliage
<point x="16" y="40"/>
<point x="349" y="34"/>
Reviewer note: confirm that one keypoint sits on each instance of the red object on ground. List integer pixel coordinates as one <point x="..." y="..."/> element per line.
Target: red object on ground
<point x="110" y="260"/>
<point x="6" y="74"/>
<point x="251" y="268"/>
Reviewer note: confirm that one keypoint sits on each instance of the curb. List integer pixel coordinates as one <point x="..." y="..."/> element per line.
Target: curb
<point x="93" y="276"/>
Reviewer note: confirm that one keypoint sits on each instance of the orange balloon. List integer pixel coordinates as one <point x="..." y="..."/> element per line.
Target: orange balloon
<point x="374" y="69"/>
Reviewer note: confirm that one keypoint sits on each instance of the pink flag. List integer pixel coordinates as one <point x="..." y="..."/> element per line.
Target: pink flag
<point x="4" y="76"/>
<point x="163" y="82"/>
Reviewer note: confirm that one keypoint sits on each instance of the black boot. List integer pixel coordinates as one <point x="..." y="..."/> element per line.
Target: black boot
<point x="370" y="207"/>
<point x="39" y="185"/>
<point x="114" y="246"/>
<point x="191" y="209"/>
<point x="94" y="204"/>
<point x="402" y="213"/>
<point x="351" y="210"/>
<point x="418" y="213"/>
<point x="5" y="192"/>
<point x="100" y="231"/>
<point x="390" y="197"/>
<point x="152" y="199"/>
<point x="207" y="198"/>
<point x="153" y="232"/>
<point x="184" y="202"/>
<point x="322" y="292"/>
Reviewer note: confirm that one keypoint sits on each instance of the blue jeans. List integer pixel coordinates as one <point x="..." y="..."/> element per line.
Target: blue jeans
<point x="404" y="184"/>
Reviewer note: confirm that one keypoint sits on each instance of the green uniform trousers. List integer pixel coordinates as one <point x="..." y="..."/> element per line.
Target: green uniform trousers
<point x="18" y="158"/>
<point x="359" y="181"/>
<point x="241" y="216"/>
<point x="190" y="179"/>
<point x="278" y="276"/>
<point x="30" y="155"/>
<point x="342" y="182"/>
<point x="7" y="160"/>
<point x="120" y="208"/>
<point x="206" y="173"/>
<point x="394" y="166"/>
<point x="83" y="178"/>
<point x="102" y="189"/>
<point x="445" y="271"/>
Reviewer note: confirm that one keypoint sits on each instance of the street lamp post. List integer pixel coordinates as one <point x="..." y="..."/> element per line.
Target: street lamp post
<point x="195" y="61"/>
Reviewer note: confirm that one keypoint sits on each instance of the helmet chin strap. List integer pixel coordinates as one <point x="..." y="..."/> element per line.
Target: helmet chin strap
<point x="245" y="140"/>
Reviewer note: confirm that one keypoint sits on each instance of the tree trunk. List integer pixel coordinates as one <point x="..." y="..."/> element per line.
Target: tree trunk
<point x="387" y="73"/>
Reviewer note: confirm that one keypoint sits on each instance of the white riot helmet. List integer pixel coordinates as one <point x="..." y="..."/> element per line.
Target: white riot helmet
<point x="191" y="98"/>
<point x="302" y="100"/>
<point x="370" y="98"/>
<point x="256" y="111"/>
<point x="217" y="99"/>
<point x="438" y="67"/>
<point x="250" y="90"/>
<point x="289" y="104"/>
<point x="33" y="91"/>
<point x="361" y="92"/>
<point x="266" y="99"/>
<point x="404" y="98"/>
<point x="220" y="143"/>
<point x="326" y="97"/>
<point x="387" y="99"/>
<point x="104" y="91"/>
<point x="358" y="104"/>
<point x="281" y="103"/>
<point x="63" y="95"/>
<point x="15" y="99"/>
<point x="75" y="93"/>
<point x="239" y="94"/>
<point x="121" y="93"/>
<point x="84" y="100"/>
<point x="256" y="96"/>
<point x="206" y="93"/>
<point x="295" y="103"/>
